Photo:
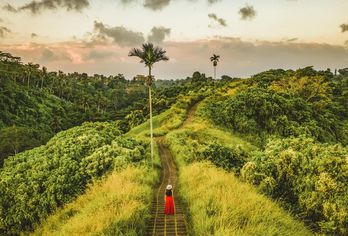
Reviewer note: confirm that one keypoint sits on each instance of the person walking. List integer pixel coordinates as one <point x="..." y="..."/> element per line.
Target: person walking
<point x="169" y="209"/>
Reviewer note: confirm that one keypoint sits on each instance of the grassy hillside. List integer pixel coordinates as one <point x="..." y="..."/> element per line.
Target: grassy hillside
<point x="117" y="205"/>
<point x="220" y="204"/>
<point x="39" y="181"/>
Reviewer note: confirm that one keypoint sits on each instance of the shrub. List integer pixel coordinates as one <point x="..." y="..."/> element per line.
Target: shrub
<point x="221" y="156"/>
<point x="311" y="178"/>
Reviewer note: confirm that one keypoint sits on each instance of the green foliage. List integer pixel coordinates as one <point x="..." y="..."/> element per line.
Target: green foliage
<point x="260" y="112"/>
<point x="49" y="102"/>
<point x="35" y="182"/>
<point x="311" y="178"/>
<point x="16" y="139"/>
<point x="221" y="156"/>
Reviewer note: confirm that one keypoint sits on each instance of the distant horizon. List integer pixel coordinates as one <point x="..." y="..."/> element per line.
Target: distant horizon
<point x="169" y="77"/>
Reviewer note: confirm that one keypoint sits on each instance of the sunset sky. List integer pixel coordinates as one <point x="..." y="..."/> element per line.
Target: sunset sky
<point x="250" y="36"/>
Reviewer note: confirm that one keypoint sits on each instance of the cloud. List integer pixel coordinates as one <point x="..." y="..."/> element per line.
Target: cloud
<point x="3" y="31"/>
<point x="156" y="4"/>
<point x="36" y="7"/>
<point x="118" y="34"/>
<point x="213" y="1"/>
<point x="127" y="1"/>
<point x="247" y="12"/>
<point x="158" y="34"/>
<point x="344" y="27"/>
<point x="292" y="40"/>
<point x="221" y="21"/>
<point x="47" y="55"/>
<point x="33" y="35"/>
<point x="100" y="55"/>
<point x="9" y="8"/>
<point x="50" y="55"/>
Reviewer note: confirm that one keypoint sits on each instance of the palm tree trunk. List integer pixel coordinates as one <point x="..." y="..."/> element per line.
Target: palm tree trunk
<point x="28" y="79"/>
<point x="150" y="103"/>
<point x="214" y="72"/>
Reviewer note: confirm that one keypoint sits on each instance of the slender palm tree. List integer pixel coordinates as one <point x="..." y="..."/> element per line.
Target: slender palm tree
<point x="149" y="55"/>
<point x="215" y="60"/>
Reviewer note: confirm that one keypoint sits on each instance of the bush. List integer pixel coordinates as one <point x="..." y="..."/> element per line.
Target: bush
<point x="227" y="158"/>
<point x="311" y="178"/>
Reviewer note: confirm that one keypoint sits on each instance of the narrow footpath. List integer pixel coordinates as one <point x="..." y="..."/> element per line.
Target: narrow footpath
<point x="161" y="224"/>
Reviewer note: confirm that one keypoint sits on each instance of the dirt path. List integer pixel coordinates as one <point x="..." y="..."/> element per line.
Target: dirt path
<point x="190" y="115"/>
<point x="161" y="224"/>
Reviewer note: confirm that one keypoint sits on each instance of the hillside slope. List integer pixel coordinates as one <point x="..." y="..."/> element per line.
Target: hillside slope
<point x="39" y="181"/>
<point x="275" y="140"/>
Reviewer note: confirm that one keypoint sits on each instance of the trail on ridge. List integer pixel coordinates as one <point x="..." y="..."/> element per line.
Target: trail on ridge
<point x="161" y="224"/>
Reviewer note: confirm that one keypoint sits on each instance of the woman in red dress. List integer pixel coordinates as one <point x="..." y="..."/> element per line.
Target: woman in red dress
<point x="169" y="209"/>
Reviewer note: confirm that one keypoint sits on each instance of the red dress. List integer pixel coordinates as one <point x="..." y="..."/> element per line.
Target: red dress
<point x="169" y="209"/>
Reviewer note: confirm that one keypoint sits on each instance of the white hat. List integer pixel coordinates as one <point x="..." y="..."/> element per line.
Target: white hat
<point x="169" y="187"/>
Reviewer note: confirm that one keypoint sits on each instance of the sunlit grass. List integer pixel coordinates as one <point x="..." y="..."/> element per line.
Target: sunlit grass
<point x="219" y="204"/>
<point x="118" y="205"/>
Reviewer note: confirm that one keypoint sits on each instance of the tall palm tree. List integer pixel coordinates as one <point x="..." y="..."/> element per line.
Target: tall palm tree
<point x="149" y="55"/>
<point x="215" y="60"/>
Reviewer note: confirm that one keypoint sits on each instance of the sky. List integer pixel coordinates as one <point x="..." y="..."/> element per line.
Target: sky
<point x="95" y="36"/>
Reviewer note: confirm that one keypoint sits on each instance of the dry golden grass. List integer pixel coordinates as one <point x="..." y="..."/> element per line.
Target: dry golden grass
<point x="118" y="205"/>
<point x="219" y="204"/>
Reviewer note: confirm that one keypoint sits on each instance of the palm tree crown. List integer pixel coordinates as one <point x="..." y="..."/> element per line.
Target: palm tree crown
<point x="149" y="54"/>
<point x="215" y="59"/>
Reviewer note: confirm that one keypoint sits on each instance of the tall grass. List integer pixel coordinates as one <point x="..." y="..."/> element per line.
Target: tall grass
<point x="219" y="204"/>
<point x="118" y="205"/>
